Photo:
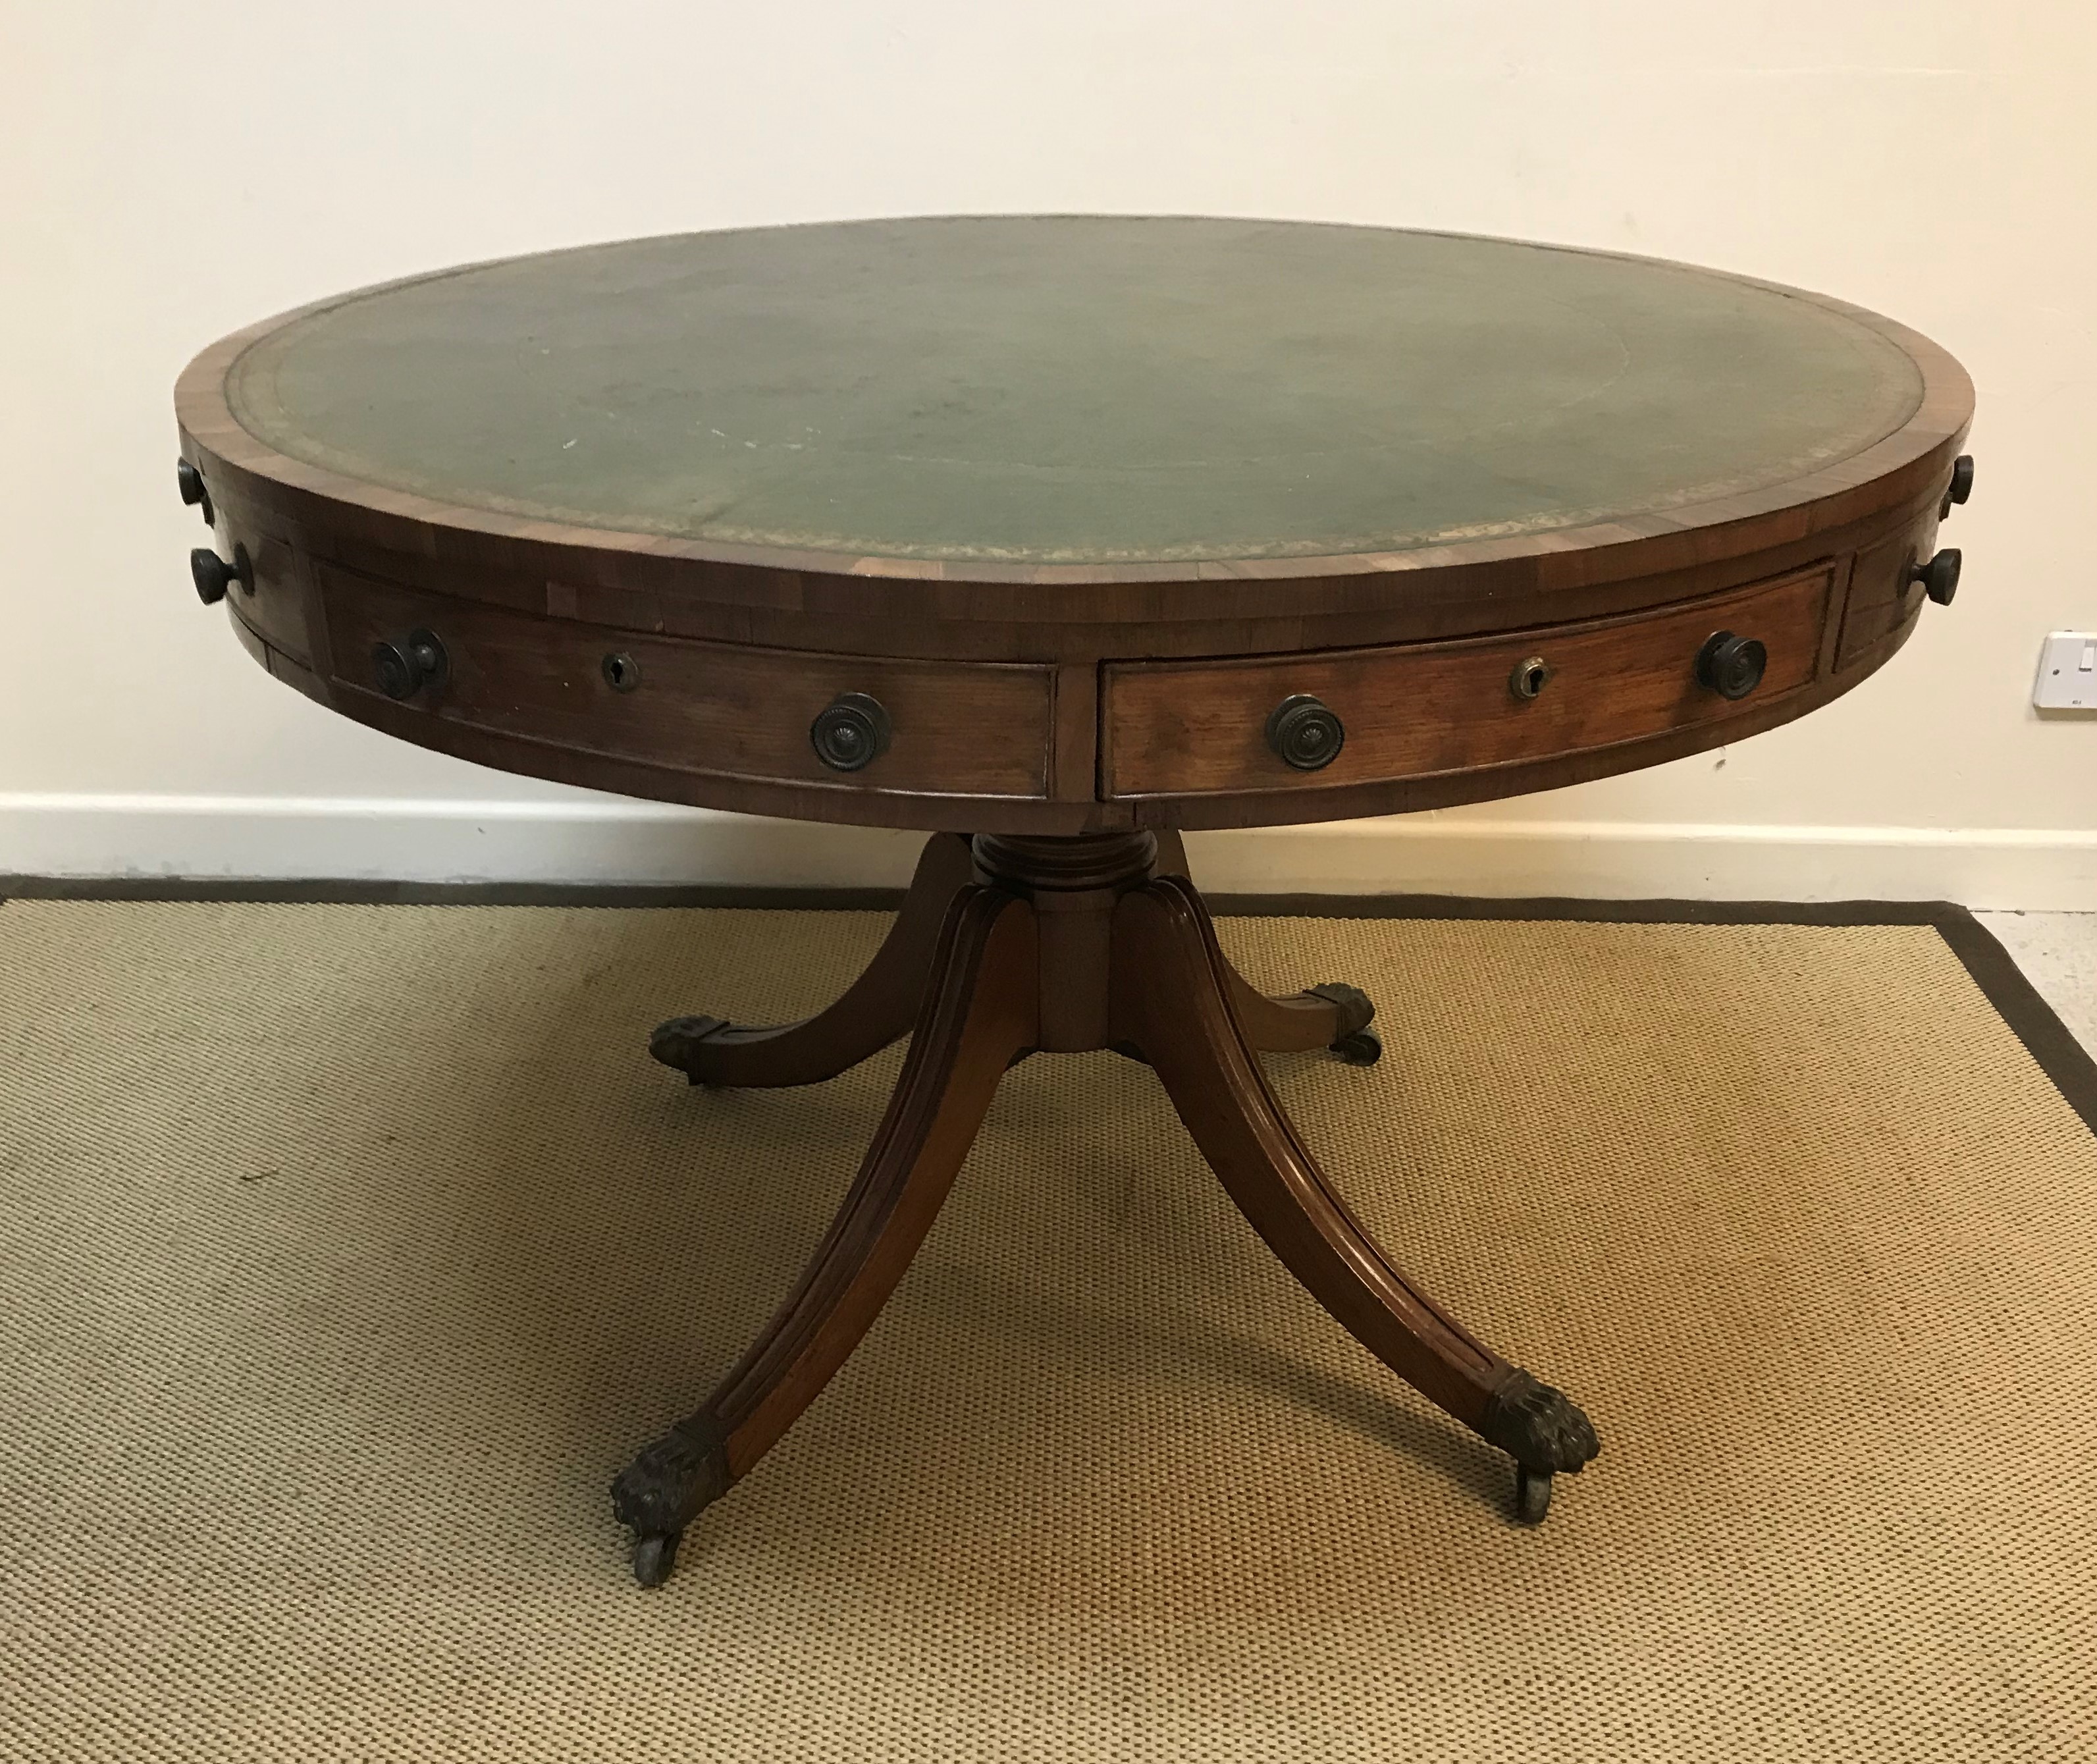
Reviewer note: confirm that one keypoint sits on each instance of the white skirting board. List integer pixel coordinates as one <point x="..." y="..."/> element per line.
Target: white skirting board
<point x="585" y="840"/>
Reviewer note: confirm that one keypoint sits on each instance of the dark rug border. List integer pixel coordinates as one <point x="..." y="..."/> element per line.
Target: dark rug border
<point x="2002" y="983"/>
<point x="2046" y="1038"/>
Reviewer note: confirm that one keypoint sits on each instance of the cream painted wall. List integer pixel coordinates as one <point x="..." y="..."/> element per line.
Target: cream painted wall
<point x="169" y="173"/>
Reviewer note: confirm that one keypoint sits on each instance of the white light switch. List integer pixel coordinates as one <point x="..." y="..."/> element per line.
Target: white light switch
<point x="2068" y="672"/>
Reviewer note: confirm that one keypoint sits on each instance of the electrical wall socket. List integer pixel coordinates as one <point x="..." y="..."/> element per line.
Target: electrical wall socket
<point x="2068" y="672"/>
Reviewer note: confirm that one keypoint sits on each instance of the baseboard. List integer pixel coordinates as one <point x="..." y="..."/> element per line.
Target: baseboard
<point x="2027" y="869"/>
<point x="613" y="841"/>
<point x="606" y="840"/>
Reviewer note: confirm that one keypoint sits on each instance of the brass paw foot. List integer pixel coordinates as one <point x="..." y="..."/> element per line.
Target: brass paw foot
<point x="676" y="1043"/>
<point x="1353" y="1039"/>
<point x="1538" y="1426"/>
<point x="665" y="1488"/>
<point x="1544" y="1431"/>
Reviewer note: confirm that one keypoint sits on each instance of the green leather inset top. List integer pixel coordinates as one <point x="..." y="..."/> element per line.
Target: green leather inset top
<point x="1042" y="390"/>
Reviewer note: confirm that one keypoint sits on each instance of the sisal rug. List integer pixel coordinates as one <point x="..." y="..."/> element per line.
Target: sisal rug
<point x="346" y="1250"/>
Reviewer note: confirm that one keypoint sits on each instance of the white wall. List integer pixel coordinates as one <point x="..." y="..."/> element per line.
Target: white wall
<point x="168" y="172"/>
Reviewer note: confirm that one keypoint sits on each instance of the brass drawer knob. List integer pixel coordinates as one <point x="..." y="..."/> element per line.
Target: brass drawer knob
<point x="403" y="669"/>
<point x="850" y="732"/>
<point x="213" y="575"/>
<point x="1940" y="576"/>
<point x="189" y="482"/>
<point x="1732" y="666"/>
<point x="1961" y="486"/>
<point x="1305" y="732"/>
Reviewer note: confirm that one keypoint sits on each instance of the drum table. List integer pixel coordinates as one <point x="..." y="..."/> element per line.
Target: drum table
<point x="1052" y="537"/>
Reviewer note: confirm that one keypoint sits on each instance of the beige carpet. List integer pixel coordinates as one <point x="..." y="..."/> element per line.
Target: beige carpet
<point x="346" y="1252"/>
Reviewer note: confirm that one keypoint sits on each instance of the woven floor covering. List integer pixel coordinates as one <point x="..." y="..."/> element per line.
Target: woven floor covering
<point x="347" y="1251"/>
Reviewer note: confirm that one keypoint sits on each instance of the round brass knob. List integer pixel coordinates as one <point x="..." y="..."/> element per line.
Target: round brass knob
<point x="1305" y="732"/>
<point x="213" y="575"/>
<point x="403" y="669"/>
<point x="1731" y="666"/>
<point x="189" y="482"/>
<point x="1961" y="486"/>
<point x="1939" y="576"/>
<point x="850" y="732"/>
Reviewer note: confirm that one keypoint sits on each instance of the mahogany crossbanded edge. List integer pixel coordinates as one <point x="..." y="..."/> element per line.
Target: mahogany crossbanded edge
<point x="1015" y="747"/>
<point x="958" y="813"/>
<point x="1406" y="599"/>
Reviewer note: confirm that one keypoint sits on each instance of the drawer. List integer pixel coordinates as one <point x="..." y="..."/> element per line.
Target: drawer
<point x="271" y="606"/>
<point x="1171" y="728"/>
<point x="730" y="710"/>
<point x="1883" y="595"/>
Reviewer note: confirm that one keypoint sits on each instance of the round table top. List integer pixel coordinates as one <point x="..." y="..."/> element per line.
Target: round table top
<point x="1065" y="524"/>
<point x="1117" y="393"/>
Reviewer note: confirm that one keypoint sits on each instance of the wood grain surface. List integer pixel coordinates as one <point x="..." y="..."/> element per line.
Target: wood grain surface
<point x="1180" y="729"/>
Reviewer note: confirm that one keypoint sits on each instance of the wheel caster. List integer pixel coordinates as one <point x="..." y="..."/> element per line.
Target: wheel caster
<point x="1532" y="1495"/>
<point x="655" y="1555"/>
<point x="1363" y="1047"/>
<point x="670" y="1482"/>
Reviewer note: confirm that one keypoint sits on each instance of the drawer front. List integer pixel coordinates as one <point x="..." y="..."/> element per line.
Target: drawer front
<point x="1883" y="595"/>
<point x="1171" y="728"/>
<point x="269" y="604"/>
<point x="956" y="728"/>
